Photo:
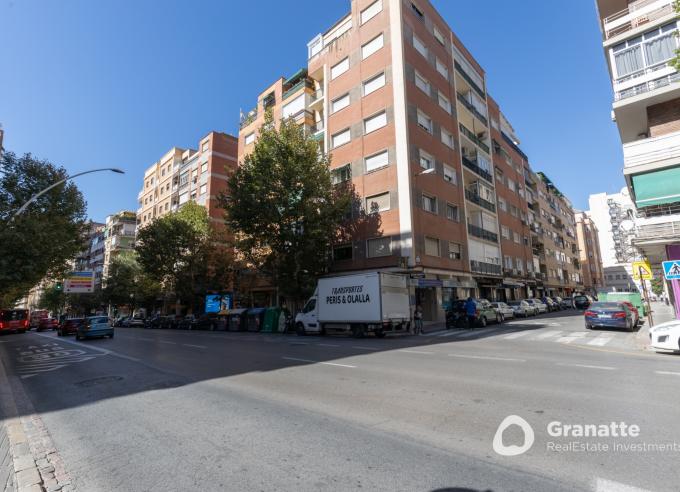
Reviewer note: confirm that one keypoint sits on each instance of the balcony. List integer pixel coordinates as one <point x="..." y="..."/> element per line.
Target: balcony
<point x="469" y="79"/>
<point x="651" y="151"/>
<point x="657" y="232"/>
<point x="248" y="118"/>
<point x="648" y="86"/>
<point x="485" y="268"/>
<point x="295" y="88"/>
<point x="472" y="165"/>
<point x="474" y="197"/>
<point x="482" y="233"/>
<point x="470" y="107"/>
<point x="637" y="14"/>
<point x="316" y="100"/>
<point x="474" y="138"/>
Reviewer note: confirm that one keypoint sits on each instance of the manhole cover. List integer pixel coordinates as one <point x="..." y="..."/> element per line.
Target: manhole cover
<point x="103" y="380"/>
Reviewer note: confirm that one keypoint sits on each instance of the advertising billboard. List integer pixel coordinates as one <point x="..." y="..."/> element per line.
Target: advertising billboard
<point x="79" y="282"/>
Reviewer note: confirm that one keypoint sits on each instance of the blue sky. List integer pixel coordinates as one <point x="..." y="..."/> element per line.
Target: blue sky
<point x="116" y="84"/>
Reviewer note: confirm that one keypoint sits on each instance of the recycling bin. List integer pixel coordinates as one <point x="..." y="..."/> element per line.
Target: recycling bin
<point x="274" y="320"/>
<point x="237" y="320"/>
<point x="255" y="319"/>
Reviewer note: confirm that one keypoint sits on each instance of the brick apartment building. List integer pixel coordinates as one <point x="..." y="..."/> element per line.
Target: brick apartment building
<point x="590" y="254"/>
<point x="187" y="174"/>
<point x="402" y="106"/>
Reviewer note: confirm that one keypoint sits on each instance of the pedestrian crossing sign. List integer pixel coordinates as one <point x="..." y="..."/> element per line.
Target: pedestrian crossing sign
<point x="642" y="270"/>
<point x="671" y="270"/>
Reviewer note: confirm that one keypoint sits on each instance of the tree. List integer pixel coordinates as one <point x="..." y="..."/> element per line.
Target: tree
<point x="176" y="250"/>
<point x="39" y="242"/>
<point x="675" y="62"/>
<point x="657" y="286"/>
<point x="283" y="208"/>
<point x="127" y="283"/>
<point x="52" y="299"/>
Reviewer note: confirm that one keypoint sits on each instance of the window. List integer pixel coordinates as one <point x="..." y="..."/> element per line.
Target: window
<point x="444" y="103"/>
<point x="378" y="203"/>
<point x="204" y="189"/>
<point x="377" y="161"/>
<point x="372" y="46"/>
<point x="512" y="185"/>
<point x="422" y="84"/>
<point x="430" y="204"/>
<point x="193" y="195"/>
<point x="452" y="212"/>
<point x="341" y="174"/>
<point x="371" y="11"/>
<point x="454" y="251"/>
<point x="184" y="178"/>
<point x="419" y="46"/>
<point x="374" y="83"/>
<point x="502" y="204"/>
<point x="505" y="232"/>
<point x="343" y="252"/>
<point x="340" y="138"/>
<point x="381" y="246"/>
<point x="653" y="48"/>
<point x="294" y="107"/>
<point x="163" y="172"/>
<point x="205" y="146"/>
<point x="515" y="237"/>
<point x="250" y="138"/>
<point x="426" y="160"/>
<point x="514" y="211"/>
<point x="167" y="205"/>
<point x="447" y="139"/>
<point x="507" y="261"/>
<point x="417" y="11"/>
<point x="439" y="36"/>
<point x="204" y="167"/>
<point x="450" y="175"/>
<point x="340" y="103"/>
<point x="499" y="176"/>
<point x="183" y="198"/>
<point x="424" y="122"/>
<point x="431" y="246"/>
<point x="340" y="68"/>
<point x="442" y="69"/>
<point x="374" y="122"/>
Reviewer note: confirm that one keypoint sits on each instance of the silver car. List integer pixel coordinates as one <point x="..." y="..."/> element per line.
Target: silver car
<point x="522" y="309"/>
<point x="536" y="305"/>
<point x="506" y="311"/>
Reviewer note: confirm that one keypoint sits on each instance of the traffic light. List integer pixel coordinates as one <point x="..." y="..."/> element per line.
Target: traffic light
<point x="59" y="286"/>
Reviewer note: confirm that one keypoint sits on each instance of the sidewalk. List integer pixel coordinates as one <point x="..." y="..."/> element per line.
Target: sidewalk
<point x="661" y="314"/>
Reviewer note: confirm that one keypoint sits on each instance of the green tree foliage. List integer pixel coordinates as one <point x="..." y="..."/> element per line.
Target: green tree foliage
<point x="184" y="253"/>
<point x="128" y="283"/>
<point x="39" y="242"/>
<point x="52" y="299"/>
<point x="657" y="286"/>
<point x="675" y="62"/>
<point x="283" y="209"/>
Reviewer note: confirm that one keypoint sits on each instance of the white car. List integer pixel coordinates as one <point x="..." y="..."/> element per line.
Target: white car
<point x="537" y="305"/>
<point x="665" y="336"/>
<point x="522" y="309"/>
<point x="504" y="309"/>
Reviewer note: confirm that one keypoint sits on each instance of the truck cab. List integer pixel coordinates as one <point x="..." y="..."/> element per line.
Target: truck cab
<point x="307" y="320"/>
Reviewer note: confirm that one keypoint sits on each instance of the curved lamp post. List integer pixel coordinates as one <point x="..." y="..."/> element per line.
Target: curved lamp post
<point x="36" y="196"/>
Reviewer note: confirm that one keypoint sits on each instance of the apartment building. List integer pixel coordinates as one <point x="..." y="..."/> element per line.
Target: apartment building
<point x="91" y="258"/>
<point x="188" y="174"/>
<point x="590" y="255"/>
<point x="639" y="40"/>
<point x="119" y="235"/>
<point x="401" y="105"/>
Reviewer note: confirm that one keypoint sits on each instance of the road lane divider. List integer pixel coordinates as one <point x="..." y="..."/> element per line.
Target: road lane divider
<point x="667" y="373"/>
<point x="296" y="359"/>
<point x="586" y="366"/>
<point x="194" y="346"/>
<point x="416" y="352"/>
<point x="486" y="357"/>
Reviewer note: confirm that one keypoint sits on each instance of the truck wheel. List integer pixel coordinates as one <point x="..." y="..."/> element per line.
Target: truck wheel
<point x="358" y="331"/>
<point x="300" y="330"/>
<point x="380" y="333"/>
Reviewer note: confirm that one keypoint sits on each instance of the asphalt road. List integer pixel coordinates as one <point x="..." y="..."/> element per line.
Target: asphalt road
<point x="175" y="410"/>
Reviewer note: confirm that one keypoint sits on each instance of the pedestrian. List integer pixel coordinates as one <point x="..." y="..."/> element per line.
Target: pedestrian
<point x="471" y="311"/>
<point x="418" y="320"/>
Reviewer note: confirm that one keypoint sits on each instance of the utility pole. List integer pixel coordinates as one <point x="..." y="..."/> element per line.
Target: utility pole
<point x="648" y="306"/>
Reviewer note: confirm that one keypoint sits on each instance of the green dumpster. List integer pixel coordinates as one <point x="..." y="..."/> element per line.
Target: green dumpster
<point x="274" y="320"/>
<point x="633" y="297"/>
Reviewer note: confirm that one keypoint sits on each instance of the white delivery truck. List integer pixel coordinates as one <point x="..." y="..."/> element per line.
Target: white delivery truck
<point x="360" y="303"/>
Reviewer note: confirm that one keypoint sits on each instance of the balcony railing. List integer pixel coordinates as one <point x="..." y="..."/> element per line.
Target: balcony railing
<point x="657" y="231"/>
<point x="248" y="118"/>
<point x="474" y="138"/>
<point x="472" y="165"/>
<point x="648" y="86"/>
<point x="485" y="268"/>
<point x="292" y="90"/>
<point x="475" y="198"/>
<point x="482" y="233"/>
<point x="637" y="14"/>
<point x="472" y="109"/>
<point x="649" y="150"/>
<point x="468" y="79"/>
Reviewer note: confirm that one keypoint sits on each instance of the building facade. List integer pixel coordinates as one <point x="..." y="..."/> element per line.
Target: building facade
<point x="187" y="174"/>
<point x="639" y="39"/>
<point x="402" y="106"/>
<point x="119" y="236"/>
<point x="590" y="255"/>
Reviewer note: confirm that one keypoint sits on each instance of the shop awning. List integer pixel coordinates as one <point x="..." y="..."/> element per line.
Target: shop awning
<point x="657" y="187"/>
<point x="507" y="282"/>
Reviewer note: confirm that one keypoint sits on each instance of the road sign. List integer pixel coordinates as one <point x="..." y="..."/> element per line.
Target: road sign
<point x="642" y="270"/>
<point x="671" y="269"/>
<point x="79" y="282"/>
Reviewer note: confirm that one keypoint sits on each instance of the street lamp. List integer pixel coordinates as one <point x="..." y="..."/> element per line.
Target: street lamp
<point x="36" y="196"/>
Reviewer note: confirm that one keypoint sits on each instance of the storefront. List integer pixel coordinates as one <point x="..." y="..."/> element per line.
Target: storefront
<point x="512" y="290"/>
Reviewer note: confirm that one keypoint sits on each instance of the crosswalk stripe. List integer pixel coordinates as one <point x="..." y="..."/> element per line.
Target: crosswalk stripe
<point x="472" y="333"/>
<point x="572" y="337"/>
<point x="449" y="333"/>
<point x="600" y="341"/>
<point x="548" y="334"/>
<point x="515" y="335"/>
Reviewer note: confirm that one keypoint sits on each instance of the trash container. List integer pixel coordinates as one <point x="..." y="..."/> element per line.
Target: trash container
<point x="237" y="320"/>
<point x="255" y="319"/>
<point x="274" y="320"/>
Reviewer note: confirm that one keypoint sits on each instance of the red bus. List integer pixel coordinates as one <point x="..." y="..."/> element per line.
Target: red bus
<point x="14" y="320"/>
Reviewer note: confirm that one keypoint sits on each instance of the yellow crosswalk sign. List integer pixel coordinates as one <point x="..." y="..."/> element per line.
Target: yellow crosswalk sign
<point x="642" y="270"/>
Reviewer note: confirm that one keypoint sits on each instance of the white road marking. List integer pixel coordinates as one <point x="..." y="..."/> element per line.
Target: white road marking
<point x="327" y="345"/>
<point x="603" y="485"/>
<point x="103" y="351"/>
<point x="572" y="337"/>
<point x="472" y="333"/>
<point x="601" y="341"/>
<point x="586" y="366"/>
<point x="484" y="357"/>
<point x="434" y="333"/>
<point x="548" y="334"/>
<point x="448" y="334"/>
<point x="168" y="343"/>
<point x="515" y="335"/>
<point x="317" y="362"/>
<point x="195" y="346"/>
<point x="416" y="352"/>
<point x="667" y="373"/>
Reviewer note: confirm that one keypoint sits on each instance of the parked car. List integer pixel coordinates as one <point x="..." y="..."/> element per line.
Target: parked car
<point x="47" y="324"/>
<point x="582" y="301"/>
<point x="558" y="302"/>
<point x="118" y="321"/>
<point x="94" y="326"/>
<point x="206" y="321"/>
<point x="37" y="315"/>
<point x="135" y="322"/>
<point x="187" y="323"/>
<point x="636" y="313"/>
<point x="506" y="311"/>
<point x="549" y="303"/>
<point x="522" y="309"/>
<point x="14" y="320"/>
<point x="567" y="303"/>
<point x="70" y="326"/>
<point x="665" y="336"/>
<point x="609" y="315"/>
<point x="538" y="306"/>
<point x="485" y="313"/>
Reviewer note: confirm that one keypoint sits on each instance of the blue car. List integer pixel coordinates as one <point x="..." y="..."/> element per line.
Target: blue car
<point x="609" y="315"/>
<point x="95" y="326"/>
